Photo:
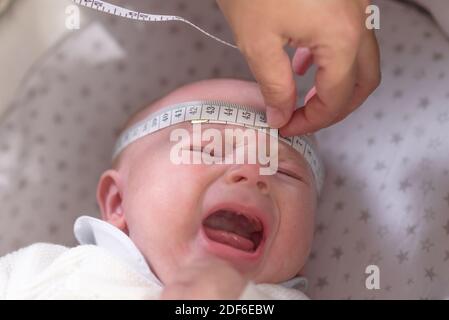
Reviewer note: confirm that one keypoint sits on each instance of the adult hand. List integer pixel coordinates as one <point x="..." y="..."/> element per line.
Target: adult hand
<point x="328" y="33"/>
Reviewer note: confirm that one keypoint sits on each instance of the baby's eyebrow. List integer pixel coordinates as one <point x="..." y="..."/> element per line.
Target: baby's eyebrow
<point x="287" y="153"/>
<point x="291" y="153"/>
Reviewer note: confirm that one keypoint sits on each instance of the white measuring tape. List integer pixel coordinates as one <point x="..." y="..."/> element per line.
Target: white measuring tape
<point x="106" y="7"/>
<point x="223" y="113"/>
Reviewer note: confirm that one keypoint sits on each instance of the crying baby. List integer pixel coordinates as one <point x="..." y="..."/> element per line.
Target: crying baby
<point x="181" y="218"/>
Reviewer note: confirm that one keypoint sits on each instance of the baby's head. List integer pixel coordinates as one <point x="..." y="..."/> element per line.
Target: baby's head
<point x="261" y="224"/>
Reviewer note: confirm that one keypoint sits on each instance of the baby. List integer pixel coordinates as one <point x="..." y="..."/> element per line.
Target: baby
<point x="177" y="230"/>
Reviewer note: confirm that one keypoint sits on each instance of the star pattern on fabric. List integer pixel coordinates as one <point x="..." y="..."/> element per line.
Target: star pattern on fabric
<point x="427" y="34"/>
<point x="382" y="231"/>
<point x="404" y="185"/>
<point x="320" y="227"/>
<point x="397" y="94"/>
<point x="398" y="48"/>
<point x="443" y="118"/>
<point x="429" y="214"/>
<point x="380" y="165"/>
<point x="398" y="71"/>
<point x="430" y="273"/>
<point x="434" y="144"/>
<point x="85" y="92"/>
<point x="322" y="282"/>
<point x="446" y="227"/>
<point x="337" y="252"/>
<point x="447" y="198"/>
<point x="360" y="246"/>
<point x="402" y="256"/>
<point x="378" y="115"/>
<point x="339" y="205"/>
<point x="446" y="257"/>
<point x="427" y="245"/>
<point x="427" y="186"/>
<point x="438" y="56"/>
<point x="339" y="181"/>
<point x="396" y="138"/>
<point x="424" y="103"/>
<point x="364" y="216"/>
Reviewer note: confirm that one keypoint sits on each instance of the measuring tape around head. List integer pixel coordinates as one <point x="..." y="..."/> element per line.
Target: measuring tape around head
<point x="219" y="112"/>
<point x="108" y="8"/>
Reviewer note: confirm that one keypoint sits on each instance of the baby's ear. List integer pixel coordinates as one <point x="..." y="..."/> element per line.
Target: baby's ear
<point x="109" y="198"/>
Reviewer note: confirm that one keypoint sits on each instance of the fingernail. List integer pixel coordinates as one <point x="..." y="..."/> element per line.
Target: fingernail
<point x="275" y="117"/>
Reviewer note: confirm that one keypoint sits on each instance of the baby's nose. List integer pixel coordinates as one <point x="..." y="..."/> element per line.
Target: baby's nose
<point x="248" y="174"/>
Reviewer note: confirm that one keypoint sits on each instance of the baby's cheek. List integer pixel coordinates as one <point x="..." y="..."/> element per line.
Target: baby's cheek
<point x="294" y="237"/>
<point x="286" y="258"/>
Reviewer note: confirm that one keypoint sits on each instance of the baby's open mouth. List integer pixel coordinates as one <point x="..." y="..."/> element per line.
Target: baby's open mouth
<point x="234" y="229"/>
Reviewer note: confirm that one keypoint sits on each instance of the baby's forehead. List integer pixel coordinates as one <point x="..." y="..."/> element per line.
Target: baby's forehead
<point x="230" y="90"/>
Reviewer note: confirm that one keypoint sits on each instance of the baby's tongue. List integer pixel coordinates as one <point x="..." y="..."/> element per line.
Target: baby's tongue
<point x="232" y="229"/>
<point x="229" y="238"/>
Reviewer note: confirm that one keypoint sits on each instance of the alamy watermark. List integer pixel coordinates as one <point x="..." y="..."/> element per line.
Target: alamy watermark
<point x="372" y="281"/>
<point x="72" y="21"/>
<point x="227" y="146"/>
<point x="373" y="19"/>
